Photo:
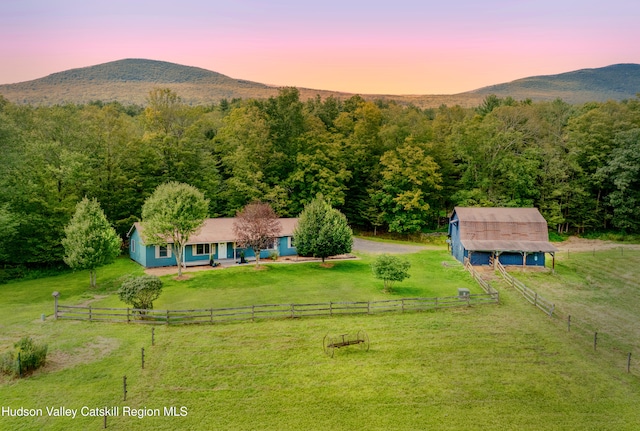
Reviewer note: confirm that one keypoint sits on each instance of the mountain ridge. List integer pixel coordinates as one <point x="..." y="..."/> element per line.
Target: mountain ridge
<point x="130" y="80"/>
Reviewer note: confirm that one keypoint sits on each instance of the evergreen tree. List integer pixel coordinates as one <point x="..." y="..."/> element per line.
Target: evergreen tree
<point x="322" y="231"/>
<point x="90" y="241"/>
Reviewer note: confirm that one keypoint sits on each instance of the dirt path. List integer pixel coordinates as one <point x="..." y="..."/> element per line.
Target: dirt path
<point x="581" y="244"/>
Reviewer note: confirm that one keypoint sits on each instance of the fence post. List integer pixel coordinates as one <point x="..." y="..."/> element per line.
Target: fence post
<point x="124" y="387"/>
<point x="211" y="315"/>
<point x="167" y="317"/>
<point x="142" y="351"/>
<point x="369" y="307"/>
<point x="569" y="323"/>
<point x="330" y="308"/>
<point x="253" y="313"/>
<point x="535" y="299"/>
<point x="55" y="295"/>
<point x="153" y="336"/>
<point x="128" y="317"/>
<point x="629" y="363"/>
<point x="292" y="311"/>
<point x="553" y="307"/>
<point x="89" y="313"/>
<point x="595" y="341"/>
<point x="402" y="304"/>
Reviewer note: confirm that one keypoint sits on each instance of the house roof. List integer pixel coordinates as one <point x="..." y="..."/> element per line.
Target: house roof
<point x="503" y="229"/>
<point x="221" y="230"/>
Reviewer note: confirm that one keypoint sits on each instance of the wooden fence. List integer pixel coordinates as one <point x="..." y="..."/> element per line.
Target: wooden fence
<point x="255" y="312"/>
<point x="530" y="295"/>
<point x="481" y="281"/>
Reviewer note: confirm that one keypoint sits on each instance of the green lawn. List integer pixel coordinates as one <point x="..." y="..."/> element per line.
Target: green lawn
<point x="493" y="367"/>
<point x="600" y="291"/>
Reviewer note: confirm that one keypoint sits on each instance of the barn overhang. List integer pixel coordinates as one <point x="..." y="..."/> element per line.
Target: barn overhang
<point x="506" y="246"/>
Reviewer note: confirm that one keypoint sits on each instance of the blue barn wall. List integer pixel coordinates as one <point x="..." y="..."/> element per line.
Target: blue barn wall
<point x="533" y="259"/>
<point x="457" y="250"/>
<point x="479" y="257"/>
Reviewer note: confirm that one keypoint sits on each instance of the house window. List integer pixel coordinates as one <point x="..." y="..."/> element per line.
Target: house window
<point x="202" y="249"/>
<point x="133" y="246"/>
<point x="274" y="244"/>
<point x="163" y="251"/>
<point x="290" y="243"/>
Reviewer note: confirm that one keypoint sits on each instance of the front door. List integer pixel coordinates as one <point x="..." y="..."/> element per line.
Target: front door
<point x="222" y="250"/>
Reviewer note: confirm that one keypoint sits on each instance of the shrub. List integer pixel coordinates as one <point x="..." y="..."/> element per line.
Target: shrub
<point x="140" y="292"/>
<point x="27" y="357"/>
<point x="390" y="269"/>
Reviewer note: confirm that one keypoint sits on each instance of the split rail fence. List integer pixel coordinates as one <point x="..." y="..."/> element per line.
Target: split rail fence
<point x="481" y="281"/>
<point x="546" y="306"/>
<point x="255" y="312"/>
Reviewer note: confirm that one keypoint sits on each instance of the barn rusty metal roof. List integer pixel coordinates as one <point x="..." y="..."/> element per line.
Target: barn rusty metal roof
<point x="221" y="230"/>
<point x="501" y="215"/>
<point x="503" y="229"/>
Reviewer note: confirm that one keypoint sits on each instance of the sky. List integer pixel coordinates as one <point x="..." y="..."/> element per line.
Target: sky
<point x="367" y="47"/>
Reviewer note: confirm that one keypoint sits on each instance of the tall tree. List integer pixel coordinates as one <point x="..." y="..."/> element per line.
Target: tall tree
<point x="256" y="227"/>
<point x="173" y="213"/>
<point x="623" y="171"/>
<point x="410" y="179"/>
<point x="90" y="242"/>
<point x="322" y="231"/>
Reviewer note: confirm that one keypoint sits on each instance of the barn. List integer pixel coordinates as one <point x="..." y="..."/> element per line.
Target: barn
<point x="515" y="236"/>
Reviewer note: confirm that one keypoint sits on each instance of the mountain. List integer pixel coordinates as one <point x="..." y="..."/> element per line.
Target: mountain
<point x="616" y="82"/>
<point x="130" y="80"/>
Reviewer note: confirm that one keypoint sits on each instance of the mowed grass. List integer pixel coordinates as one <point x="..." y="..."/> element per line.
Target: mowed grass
<point x="600" y="290"/>
<point x="498" y="367"/>
<point x="432" y="274"/>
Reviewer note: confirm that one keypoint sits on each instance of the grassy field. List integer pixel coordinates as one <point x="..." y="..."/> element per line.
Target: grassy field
<point x="600" y="291"/>
<point x="498" y="367"/>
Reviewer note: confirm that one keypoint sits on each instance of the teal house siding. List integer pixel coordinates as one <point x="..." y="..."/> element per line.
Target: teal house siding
<point x="283" y="247"/>
<point x="215" y="241"/>
<point x="137" y="249"/>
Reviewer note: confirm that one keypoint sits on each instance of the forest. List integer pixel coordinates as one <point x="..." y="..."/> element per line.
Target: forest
<point x="385" y="166"/>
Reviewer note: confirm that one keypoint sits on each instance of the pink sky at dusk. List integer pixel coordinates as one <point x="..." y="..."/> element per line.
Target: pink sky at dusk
<point x="393" y="47"/>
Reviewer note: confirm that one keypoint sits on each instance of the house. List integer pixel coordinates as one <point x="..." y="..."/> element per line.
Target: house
<point x="513" y="236"/>
<point x="215" y="240"/>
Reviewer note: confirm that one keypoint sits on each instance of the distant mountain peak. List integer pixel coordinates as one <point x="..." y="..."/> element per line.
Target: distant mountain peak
<point x="130" y="80"/>
<point x="137" y="70"/>
<point x="617" y="81"/>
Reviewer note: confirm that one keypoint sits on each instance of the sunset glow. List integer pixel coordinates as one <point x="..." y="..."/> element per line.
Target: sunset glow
<point x="401" y="47"/>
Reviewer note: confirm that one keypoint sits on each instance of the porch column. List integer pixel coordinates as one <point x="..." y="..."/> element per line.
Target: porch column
<point x="524" y="259"/>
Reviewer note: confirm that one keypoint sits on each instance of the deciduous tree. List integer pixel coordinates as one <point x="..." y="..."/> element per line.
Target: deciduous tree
<point x="256" y="227"/>
<point x="173" y="213"/>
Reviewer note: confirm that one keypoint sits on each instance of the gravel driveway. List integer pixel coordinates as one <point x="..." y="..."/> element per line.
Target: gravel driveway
<point x="367" y="246"/>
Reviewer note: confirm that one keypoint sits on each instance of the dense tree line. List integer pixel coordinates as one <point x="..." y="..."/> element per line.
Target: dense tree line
<point x="383" y="165"/>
